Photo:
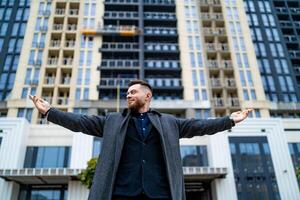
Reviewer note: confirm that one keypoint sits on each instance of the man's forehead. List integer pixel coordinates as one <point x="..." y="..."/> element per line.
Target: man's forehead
<point x="134" y="87"/>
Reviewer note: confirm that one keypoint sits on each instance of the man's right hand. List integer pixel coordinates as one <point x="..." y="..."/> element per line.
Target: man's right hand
<point x="42" y="105"/>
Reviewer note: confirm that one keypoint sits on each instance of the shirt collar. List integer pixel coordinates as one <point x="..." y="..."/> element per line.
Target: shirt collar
<point x="126" y="110"/>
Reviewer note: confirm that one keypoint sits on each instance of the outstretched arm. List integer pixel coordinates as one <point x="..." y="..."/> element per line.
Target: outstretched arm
<point x="91" y="125"/>
<point x="197" y="127"/>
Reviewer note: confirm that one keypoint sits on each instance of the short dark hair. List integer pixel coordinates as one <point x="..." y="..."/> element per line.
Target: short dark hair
<point x="141" y="82"/>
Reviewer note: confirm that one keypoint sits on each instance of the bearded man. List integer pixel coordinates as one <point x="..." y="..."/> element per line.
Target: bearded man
<point x="140" y="156"/>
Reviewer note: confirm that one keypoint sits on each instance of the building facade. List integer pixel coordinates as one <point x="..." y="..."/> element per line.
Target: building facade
<point x="204" y="58"/>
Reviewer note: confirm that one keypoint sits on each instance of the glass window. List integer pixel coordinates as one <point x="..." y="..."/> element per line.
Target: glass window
<point x="22" y="29"/>
<point x="265" y="19"/>
<point x="79" y="76"/>
<point x="242" y="77"/>
<point x="194" y="76"/>
<point x="272" y="21"/>
<point x="204" y="95"/>
<point x="4" y="29"/>
<point x="202" y="78"/>
<point x="15" y="62"/>
<point x="290" y="84"/>
<point x="253" y="95"/>
<point x="77" y="94"/>
<point x="277" y="66"/>
<point x="199" y="57"/>
<point x="47" y="157"/>
<point x="193" y="155"/>
<point x="93" y="9"/>
<point x="86" y="93"/>
<point x="26" y="14"/>
<point x="3" y="80"/>
<point x="81" y="59"/>
<point x="246" y="96"/>
<point x="192" y="57"/>
<point x="271" y="83"/>
<point x="28" y="76"/>
<point x="89" y="58"/>
<point x="24" y="93"/>
<point x="196" y="95"/>
<point x="246" y="61"/>
<point x="87" y="76"/>
<point x="86" y="9"/>
<point x="7" y="14"/>
<point x="7" y="62"/>
<point x="249" y="77"/>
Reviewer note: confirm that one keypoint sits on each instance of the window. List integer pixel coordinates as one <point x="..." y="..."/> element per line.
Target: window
<point x="3" y="80"/>
<point x="46" y="192"/>
<point x="193" y="62"/>
<point x="86" y="93"/>
<point x="24" y="93"/>
<point x="25" y="113"/>
<point x="97" y="144"/>
<point x="249" y="77"/>
<point x="193" y="156"/>
<point x="204" y="95"/>
<point x="242" y="77"/>
<point x="47" y="157"/>
<point x="194" y="76"/>
<point x="295" y="154"/>
<point x="245" y="93"/>
<point x="0" y="141"/>
<point x="196" y="95"/>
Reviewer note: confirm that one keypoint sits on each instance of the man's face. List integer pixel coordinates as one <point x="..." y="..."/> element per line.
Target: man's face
<point x="137" y="97"/>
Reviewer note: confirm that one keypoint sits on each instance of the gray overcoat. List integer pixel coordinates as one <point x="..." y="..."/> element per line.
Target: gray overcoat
<point x="113" y="129"/>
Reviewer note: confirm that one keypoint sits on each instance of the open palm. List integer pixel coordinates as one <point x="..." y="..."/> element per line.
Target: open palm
<point x="42" y="105"/>
<point x="240" y="115"/>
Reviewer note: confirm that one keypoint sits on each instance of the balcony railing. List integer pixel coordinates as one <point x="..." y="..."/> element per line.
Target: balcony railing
<point x="65" y="80"/>
<point x="122" y="1"/>
<point x="164" y="82"/>
<point x="230" y="82"/>
<point x="294" y="54"/>
<point x="73" y="12"/>
<point x="159" y="16"/>
<point x="162" y="64"/>
<point x="60" y="11"/>
<point x="218" y="102"/>
<point x="55" y="43"/>
<point x="161" y="47"/>
<point x="67" y="61"/>
<point x="49" y="80"/>
<point x="52" y="61"/>
<point x="233" y="102"/>
<point x="160" y="31"/>
<point x="62" y="100"/>
<point x="210" y="47"/>
<point x="212" y="64"/>
<point x="113" y="82"/>
<point x="227" y="64"/>
<point x="119" y="29"/>
<point x="160" y="2"/>
<point x="48" y="99"/>
<point x="123" y="15"/>
<point x="69" y="43"/>
<point x="210" y="2"/>
<point x="212" y="16"/>
<point x="216" y="82"/>
<point x="223" y="47"/>
<point x="119" y="63"/>
<point x="72" y="27"/>
<point x="214" y="31"/>
<point x="58" y="27"/>
<point x="120" y="46"/>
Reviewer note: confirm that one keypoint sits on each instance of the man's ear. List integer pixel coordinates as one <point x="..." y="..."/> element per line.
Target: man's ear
<point x="149" y="95"/>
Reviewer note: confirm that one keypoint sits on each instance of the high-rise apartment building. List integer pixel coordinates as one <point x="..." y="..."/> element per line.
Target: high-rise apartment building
<point x="204" y="58"/>
<point x="273" y="27"/>
<point x="13" y="20"/>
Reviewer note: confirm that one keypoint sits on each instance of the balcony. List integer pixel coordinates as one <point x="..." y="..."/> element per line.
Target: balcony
<point x="230" y="82"/>
<point x="49" y="80"/>
<point x="60" y="11"/>
<point x="294" y="54"/>
<point x="281" y="9"/>
<point x="222" y="47"/>
<point x="227" y="64"/>
<point x="48" y="99"/>
<point x="55" y="43"/>
<point x="215" y="82"/>
<point x="65" y="80"/>
<point x="52" y="61"/>
<point x="67" y="61"/>
<point x="62" y="100"/>
<point x="210" y="2"/>
<point x="212" y="16"/>
<point x="73" y="12"/>
<point x="121" y="15"/>
<point x="120" y="46"/>
<point x="214" y="31"/>
<point x="297" y="70"/>
<point x="71" y="27"/>
<point x="210" y="47"/>
<point x="162" y="64"/>
<point x="160" y="31"/>
<point x="290" y="38"/>
<point x="164" y="82"/>
<point x="233" y="102"/>
<point x="218" y="102"/>
<point x="159" y="2"/>
<point x="159" y="16"/>
<point x="107" y="63"/>
<point x="212" y="64"/>
<point x="161" y="47"/>
<point x="121" y="2"/>
<point x="285" y="23"/>
<point x="114" y="82"/>
<point x="58" y="27"/>
<point x="70" y="43"/>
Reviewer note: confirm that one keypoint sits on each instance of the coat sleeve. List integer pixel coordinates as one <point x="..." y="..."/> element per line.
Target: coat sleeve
<point x="88" y="124"/>
<point x="197" y="127"/>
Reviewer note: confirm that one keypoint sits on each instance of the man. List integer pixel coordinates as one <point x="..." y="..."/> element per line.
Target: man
<point x="140" y="156"/>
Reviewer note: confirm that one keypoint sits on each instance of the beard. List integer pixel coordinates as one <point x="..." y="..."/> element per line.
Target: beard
<point x="136" y="105"/>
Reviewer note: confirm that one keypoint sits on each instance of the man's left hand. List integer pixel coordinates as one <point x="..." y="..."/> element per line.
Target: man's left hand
<point x="240" y="115"/>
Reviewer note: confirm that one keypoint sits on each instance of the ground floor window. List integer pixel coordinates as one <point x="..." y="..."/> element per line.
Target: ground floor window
<point x="43" y="192"/>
